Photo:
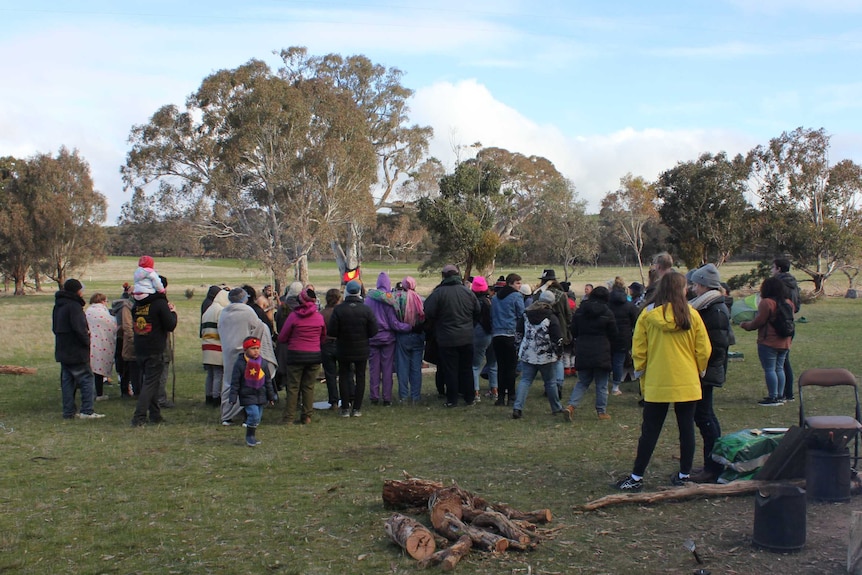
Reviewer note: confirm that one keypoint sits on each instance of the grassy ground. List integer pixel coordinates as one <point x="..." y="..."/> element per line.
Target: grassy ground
<point x="188" y="497"/>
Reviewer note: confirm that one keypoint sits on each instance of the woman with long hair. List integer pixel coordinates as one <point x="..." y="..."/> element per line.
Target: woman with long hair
<point x="670" y="349"/>
<point x="772" y="348"/>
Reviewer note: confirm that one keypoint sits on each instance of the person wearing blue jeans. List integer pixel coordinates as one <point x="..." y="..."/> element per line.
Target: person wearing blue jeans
<point x="72" y="350"/>
<point x="540" y="351"/>
<point x="772" y="348"/>
<point x="409" y="348"/>
<point x="772" y="362"/>
<point x="594" y="328"/>
<point x="483" y="351"/>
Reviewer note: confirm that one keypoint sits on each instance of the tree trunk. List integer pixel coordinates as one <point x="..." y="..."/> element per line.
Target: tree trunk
<point x="502" y="525"/>
<point x="448" y="558"/>
<point x="409" y="492"/>
<point x="17" y="370"/>
<point x="444" y="501"/>
<point x="411" y="535"/>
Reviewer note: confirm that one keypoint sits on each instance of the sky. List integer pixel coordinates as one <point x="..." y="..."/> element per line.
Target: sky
<point x="601" y="89"/>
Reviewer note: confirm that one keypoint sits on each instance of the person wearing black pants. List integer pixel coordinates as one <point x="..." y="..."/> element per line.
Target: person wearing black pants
<point x="507" y="364"/>
<point x="671" y="350"/>
<point x="456" y="369"/>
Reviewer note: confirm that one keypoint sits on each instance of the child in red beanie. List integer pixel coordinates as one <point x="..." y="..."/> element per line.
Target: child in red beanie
<point x="147" y="281"/>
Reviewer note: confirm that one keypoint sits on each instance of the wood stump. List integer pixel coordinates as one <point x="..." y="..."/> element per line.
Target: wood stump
<point x="411" y="535"/>
<point x="409" y="492"/>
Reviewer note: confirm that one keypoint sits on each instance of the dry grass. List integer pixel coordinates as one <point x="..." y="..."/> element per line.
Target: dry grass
<point x="188" y="497"/>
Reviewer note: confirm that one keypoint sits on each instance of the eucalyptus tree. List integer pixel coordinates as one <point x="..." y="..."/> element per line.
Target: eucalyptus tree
<point x="274" y="163"/>
<point x="629" y="211"/>
<point x="703" y="205"/>
<point x="809" y="207"/>
<point x="399" y="147"/>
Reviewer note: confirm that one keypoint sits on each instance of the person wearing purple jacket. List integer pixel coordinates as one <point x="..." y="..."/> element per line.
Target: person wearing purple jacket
<point x="381" y="361"/>
<point x="303" y="334"/>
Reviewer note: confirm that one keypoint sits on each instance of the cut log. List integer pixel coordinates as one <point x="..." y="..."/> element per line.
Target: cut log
<point x="691" y="491"/>
<point x="453" y="529"/>
<point x="537" y="516"/>
<point x="411" y="535"/>
<point x="502" y="525"/>
<point x="444" y="501"/>
<point x="409" y="492"/>
<point x="17" y="370"/>
<point x="448" y="558"/>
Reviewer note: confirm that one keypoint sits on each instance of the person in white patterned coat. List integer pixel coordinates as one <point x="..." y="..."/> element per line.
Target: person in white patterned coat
<point x="103" y="341"/>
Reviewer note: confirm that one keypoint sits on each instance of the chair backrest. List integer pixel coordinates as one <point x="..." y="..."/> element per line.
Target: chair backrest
<point x="827" y="377"/>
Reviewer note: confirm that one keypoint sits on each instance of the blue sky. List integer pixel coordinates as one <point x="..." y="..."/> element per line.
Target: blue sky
<point x="600" y="89"/>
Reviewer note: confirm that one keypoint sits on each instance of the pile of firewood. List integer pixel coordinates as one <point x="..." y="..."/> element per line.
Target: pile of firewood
<point x="460" y="517"/>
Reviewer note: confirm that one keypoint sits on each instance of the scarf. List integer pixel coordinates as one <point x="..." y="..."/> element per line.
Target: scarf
<point x="381" y="296"/>
<point x="254" y="377"/>
<point x="704" y="300"/>
<point x="411" y="303"/>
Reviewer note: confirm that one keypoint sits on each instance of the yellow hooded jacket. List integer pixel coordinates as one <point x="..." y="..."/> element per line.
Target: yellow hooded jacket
<point x="671" y="359"/>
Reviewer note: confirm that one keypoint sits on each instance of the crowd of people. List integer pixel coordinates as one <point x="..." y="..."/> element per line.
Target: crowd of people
<point x="671" y="336"/>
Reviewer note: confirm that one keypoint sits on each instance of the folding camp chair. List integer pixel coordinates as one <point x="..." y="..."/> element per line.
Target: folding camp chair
<point x="834" y="430"/>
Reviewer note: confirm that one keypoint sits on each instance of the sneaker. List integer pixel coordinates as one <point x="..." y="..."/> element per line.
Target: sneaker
<point x="492" y="393"/>
<point x="251" y="442"/>
<point x="629" y="484"/>
<point x="517" y="414"/>
<point x="306" y="419"/>
<point x="703" y="476"/>
<point x="101" y="397"/>
<point x="91" y="415"/>
<point x="227" y="422"/>
<point x="356" y="413"/>
<point x="447" y="404"/>
<point x="616" y="391"/>
<point x="345" y="413"/>
<point x="678" y="481"/>
<point x="478" y="397"/>
<point x="603" y="416"/>
<point x="387" y="404"/>
<point x="770" y="402"/>
<point x="569" y="413"/>
<point x="791" y="398"/>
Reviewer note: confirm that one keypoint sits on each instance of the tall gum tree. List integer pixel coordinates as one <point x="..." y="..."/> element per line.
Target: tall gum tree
<point x="278" y="163"/>
<point x="809" y="207"/>
<point x="398" y="146"/>
<point x="629" y="210"/>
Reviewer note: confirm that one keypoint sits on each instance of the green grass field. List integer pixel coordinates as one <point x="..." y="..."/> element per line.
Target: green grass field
<point x="188" y="497"/>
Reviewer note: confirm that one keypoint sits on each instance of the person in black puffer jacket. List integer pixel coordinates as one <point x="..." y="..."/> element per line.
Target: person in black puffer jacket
<point x="72" y="350"/>
<point x="593" y="326"/>
<point x="352" y="324"/>
<point x="153" y="318"/>
<point x="709" y="303"/>
<point x="626" y="315"/>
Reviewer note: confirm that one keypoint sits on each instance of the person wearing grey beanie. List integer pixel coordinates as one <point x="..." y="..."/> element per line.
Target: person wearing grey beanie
<point x="237" y="295"/>
<point x="709" y="303"/>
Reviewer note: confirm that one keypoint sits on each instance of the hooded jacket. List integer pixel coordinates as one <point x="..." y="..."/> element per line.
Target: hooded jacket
<point x="792" y="289"/>
<point x="71" y="332"/>
<point x="303" y="333"/>
<point x="716" y="318"/>
<point x="542" y="338"/>
<point x="670" y="359"/>
<point x="507" y="307"/>
<point x="626" y="315"/>
<point x="152" y="320"/>
<point x="382" y="302"/>
<point x="593" y="326"/>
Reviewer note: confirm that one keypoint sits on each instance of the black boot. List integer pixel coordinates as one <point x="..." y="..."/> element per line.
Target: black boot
<point x="250" y="439"/>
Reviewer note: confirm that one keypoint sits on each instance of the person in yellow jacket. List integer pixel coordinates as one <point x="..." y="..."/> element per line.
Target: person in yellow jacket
<point x="670" y="349"/>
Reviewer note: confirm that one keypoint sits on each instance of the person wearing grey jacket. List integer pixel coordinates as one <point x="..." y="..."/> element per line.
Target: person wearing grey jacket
<point x="451" y="311"/>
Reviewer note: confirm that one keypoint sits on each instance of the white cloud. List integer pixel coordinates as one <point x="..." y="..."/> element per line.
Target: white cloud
<point x="466" y="112"/>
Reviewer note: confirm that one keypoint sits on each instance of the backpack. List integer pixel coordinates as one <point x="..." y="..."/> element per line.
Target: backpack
<point x="783" y="320"/>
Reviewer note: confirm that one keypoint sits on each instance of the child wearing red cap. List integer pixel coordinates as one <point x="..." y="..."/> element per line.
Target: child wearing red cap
<point x="252" y="385"/>
<point x="147" y="281"/>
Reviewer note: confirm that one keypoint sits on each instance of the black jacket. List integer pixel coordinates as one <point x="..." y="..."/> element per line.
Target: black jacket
<point x="246" y="394"/>
<point x="593" y="326"/>
<point x="626" y="315"/>
<point x="485" y="312"/>
<point x="71" y="333"/>
<point x="352" y="324"/>
<point x="452" y="310"/>
<point x="792" y="289"/>
<point x="152" y="320"/>
<point x="716" y="318"/>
